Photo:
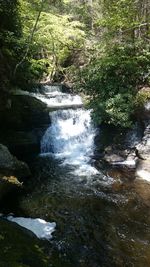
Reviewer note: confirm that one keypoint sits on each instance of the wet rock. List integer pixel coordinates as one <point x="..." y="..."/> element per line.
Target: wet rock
<point x="7" y="184"/>
<point x="143" y="170"/>
<point x="11" y="169"/>
<point x="130" y="162"/>
<point x="120" y="158"/>
<point x="122" y="163"/>
<point x="143" y="110"/>
<point x="23" y="121"/>
<point x="143" y="149"/>
<point x="23" y="143"/>
<point x="113" y="158"/>
<point x="142" y="188"/>
<point x="143" y="152"/>
<point x="21" y="247"/>
<point x="25" y="113"/>
<point x="9" y="165"/>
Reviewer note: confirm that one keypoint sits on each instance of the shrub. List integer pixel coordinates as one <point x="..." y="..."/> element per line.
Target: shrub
<point x="111" y="81"/>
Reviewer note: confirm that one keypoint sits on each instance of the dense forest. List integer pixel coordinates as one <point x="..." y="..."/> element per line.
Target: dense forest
<point x="98" y="47"/>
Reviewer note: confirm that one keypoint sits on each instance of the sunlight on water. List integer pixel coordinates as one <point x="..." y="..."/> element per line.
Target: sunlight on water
<point x="60" y="100"/>
<point x="71" y="136"/>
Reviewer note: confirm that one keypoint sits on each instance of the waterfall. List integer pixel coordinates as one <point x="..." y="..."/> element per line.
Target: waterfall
<point x="70" y="136"/>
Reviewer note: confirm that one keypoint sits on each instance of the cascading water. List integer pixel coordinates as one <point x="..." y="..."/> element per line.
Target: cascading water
<point x="100" y="221"/>
<point x="70" y="136"/>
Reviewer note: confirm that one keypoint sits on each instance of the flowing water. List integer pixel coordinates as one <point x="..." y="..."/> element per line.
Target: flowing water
<point x="100" y="221"/>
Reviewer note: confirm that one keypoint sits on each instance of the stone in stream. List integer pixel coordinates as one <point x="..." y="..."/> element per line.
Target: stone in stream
<point x="143" y="148"/>
<point x="11" y="169"/>
<point x="143" y="152"/>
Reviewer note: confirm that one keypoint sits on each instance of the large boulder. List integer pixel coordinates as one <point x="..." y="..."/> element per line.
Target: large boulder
<point x="23" y="121"/>
<point x="143" y="149"/>
<point x="143" y="170"/>
<point x="12" y="171"/>
<point x="23" y="143"/>
<point x="143" y="152"/>
<point x="143" y="104"/>
<point x="10" y="165"/>
<point x="24" y="112"/>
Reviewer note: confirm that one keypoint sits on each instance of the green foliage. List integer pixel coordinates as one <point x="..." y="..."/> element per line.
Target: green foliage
<point x="111" y="80"/>
<point x="119" y="60"/>
<point x="115" y="110"/>
<point x="10" y="33"/>
<point x="54" y="38"/>
<point x="10" y="20"/>
<point x="101" y="47"/>
<point x="56" y="35"/>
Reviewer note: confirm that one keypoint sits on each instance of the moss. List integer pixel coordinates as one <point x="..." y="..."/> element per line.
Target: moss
<point x="7" y="184"/>
<point x="12" y="180"/>
<point x="142" y="97"/>
<point x="20" y="248"/>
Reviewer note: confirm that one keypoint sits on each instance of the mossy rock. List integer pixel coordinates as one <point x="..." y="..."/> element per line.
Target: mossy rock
<point x="8" y="184"/>
<point x="142" y="97"/>
<point x="20" y="248"/>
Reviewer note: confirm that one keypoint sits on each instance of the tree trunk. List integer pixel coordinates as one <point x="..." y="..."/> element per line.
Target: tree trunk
<point x="30" y="39"/>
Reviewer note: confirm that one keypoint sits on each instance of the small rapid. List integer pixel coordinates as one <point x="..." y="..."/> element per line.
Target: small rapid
<point x="79" y="216"/>
<point x="70" y="136"/>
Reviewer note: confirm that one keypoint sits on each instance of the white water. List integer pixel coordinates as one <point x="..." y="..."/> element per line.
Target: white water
<point x="60" y="100"/>
<point x="71" y="136"/>
<point x="53" y="97"/>
<point x="39" y="227"/>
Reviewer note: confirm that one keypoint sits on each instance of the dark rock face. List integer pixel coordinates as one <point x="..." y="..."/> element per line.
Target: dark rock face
<point x="11" y="169"/>
<point x="9" y="165"/>
<point x="24" y="112"/>
<point x="23" y="121"/>
<point x="23" y="143"/>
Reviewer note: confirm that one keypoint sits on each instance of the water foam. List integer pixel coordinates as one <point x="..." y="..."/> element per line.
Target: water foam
<point x="71" y="136"/>
<point x="60" y="100"/>
<point x="39" y="227"/>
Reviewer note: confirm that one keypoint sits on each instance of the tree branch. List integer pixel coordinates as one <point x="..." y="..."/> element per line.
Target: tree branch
<point x="30" y="39"/>
<point x="136" y="26"/>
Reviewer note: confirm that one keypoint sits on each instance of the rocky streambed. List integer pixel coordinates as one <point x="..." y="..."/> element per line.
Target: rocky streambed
<point x="98" y="194"/>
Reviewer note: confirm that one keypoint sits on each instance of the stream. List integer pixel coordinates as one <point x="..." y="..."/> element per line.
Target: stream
<point x="98" y="221"/>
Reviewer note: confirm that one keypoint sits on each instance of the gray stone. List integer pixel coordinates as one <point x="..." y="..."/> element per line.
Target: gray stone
<point x="143" y="149"/>
<point x="143" y="152"/>
<point x="143" y="170"/>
